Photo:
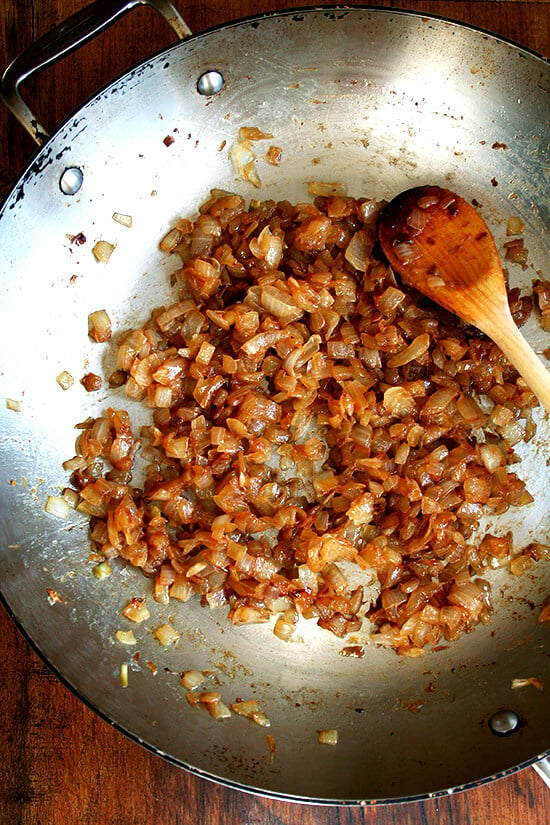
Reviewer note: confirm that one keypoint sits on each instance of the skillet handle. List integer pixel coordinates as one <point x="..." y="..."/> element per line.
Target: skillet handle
<point x="66" y="38"/>
<point x="543" y="770"/>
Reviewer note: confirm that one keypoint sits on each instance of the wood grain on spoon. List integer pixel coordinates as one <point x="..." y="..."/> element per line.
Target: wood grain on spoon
<point x="440" y="245"/>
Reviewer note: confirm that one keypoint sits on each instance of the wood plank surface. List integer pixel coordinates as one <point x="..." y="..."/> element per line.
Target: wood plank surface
<point x="59" y="763"/>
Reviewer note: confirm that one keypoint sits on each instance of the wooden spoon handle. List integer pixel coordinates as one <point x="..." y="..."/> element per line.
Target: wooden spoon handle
<point x="510" y="340"/>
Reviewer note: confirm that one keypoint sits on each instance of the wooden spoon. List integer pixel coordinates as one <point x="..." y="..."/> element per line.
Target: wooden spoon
<point x="441" y="246"/>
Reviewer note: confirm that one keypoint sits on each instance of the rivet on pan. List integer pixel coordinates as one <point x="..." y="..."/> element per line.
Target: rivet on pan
<point x="71" y="180"/>
<point x="504" y="722"/>
<point x="210" y="83"/>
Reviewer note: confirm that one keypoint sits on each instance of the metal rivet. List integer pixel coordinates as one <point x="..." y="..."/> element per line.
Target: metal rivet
<point x="71" y="180"/>
<point x="504" y="722"/>
<point x="210" y="83"/>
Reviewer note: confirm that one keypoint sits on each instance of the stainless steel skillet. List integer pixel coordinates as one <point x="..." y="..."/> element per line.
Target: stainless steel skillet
<point x="422" y="99"/>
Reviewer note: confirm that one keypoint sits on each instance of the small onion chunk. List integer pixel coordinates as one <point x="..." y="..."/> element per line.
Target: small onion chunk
<point x="123" y="220"/>
<point x="102" y="570"/>
<point x="328" y="737"/>
<point x="532" y="680"/>
<point x="192" y="679"/>
<point x="65" y="380"/>
<point x="125" y="637"/>
<point x="102" y="251"/>
<point x="166" y="635"/>
<point x="57" y="506"/>
<point x="413" y="352"/>
<point x="123" y="675"/>
<point x="136" y="610"/>
<point x="514" y="226"/>
<point x="99" y="326"/>
<point x="316" y="187"/>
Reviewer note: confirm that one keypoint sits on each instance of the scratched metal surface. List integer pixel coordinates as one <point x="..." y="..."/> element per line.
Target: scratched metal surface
<point x="423" y="99"/>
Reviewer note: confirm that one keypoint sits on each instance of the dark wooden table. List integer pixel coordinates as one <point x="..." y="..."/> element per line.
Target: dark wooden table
<point x="59" y="763"/>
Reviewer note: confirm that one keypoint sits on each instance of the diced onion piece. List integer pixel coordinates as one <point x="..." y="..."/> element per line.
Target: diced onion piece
<point x="328" y="737"/>
<point x="406" y="251"/>
<point x="532" y="680"/>
<point x="368" y="210"/>
<point x="193" y="699"/>
<point x="280" y="305"/>
<point x="99" y="326"/>
<point x="242" y="154"/>
<point x="435" y="281"/>
<point x="91" y="382"/>
<point x="249" y="615"/>
<point x="251" y="709"/>
<point x="500" y="416"/>
<point x="513" y="433"/>
<point x="517" y="252"/>
<point x="308" y="578"/>
<point x="209" y="696"/>
<point x="218" y="710"/>
<point x="171" y="240"/>
<point x="57" y="506"/>
<point x="123" y="674"/>
<point x="358" y="250"/>
<point x="274" y="155"/>
<point x="71" y="497"/>
<point x="398" y="401"/>
<point x="125" y="637"/>
<point x="402" y="453"/>
<point x="492" y="456"/>
<point x="103" y="251"/>
<point x="413" y="352"/>
<point x="468" y="596"/>
<point x="514" y="226"/>
<point x="447" y="200"/>
<point x="268" y="247"/>
<point x="102" y="570"/>
<point x="205" y="353"/>
<point x="136" y="610"/>
<point x="469" y="409"/>
<point x="416" y="219"/>
<point x="65" y="380"/>
<point x="390" y="300"/>
<point x="182" y="589"/>
<point x="361" y="510"/>
<point x="427" y="200"/>
<point x="317" y="187"/>
<point x="166" y="635"/>
<point x="124" y="220"/>
<point x="246" y="707"/>
<point x="284" y="629"/>
<point x="13" y="405"/>
<point x="261" y="719"/>
<point x="544" y="615"/>
<point x="520" y="564"/>
<point x="192" y="679"/>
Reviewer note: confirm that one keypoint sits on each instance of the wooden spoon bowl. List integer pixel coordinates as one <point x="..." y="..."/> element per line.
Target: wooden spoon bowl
<point x="441" y="246"/>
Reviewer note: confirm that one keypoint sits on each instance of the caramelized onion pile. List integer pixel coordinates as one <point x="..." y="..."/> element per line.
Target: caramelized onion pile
<point x="315" y="428"/>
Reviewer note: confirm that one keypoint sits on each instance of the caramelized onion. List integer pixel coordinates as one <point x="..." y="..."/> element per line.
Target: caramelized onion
<point x="312" y="423"/>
